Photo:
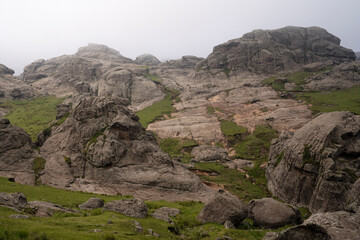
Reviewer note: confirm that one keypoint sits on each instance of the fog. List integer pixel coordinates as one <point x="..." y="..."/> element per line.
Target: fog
<point x="168" y="29"/>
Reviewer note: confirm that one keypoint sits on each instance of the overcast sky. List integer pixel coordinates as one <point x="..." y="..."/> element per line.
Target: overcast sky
<point x="168" y="29"/>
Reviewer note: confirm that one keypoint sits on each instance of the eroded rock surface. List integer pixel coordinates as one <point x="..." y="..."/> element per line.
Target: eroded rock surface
<point x="16" y="155"/>
<point x="101" y="147"/>
<point x="147" y="59"/>
<point x="164" y="213"/>
<point x="206" y="153"/>
<point x="92" y="203"/>
<point x="14" y="200"/>
<point x="319" y="164"/>
<point x="129" y="207"/>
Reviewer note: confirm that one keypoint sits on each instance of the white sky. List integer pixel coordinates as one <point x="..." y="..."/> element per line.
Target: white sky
<point x="168" y="29"/>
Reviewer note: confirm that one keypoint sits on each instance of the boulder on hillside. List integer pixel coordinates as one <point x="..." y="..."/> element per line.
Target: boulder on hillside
<point x="206" y="153"/>
<point x="164" y="213"/>
<point x="222" y="207"/>
<point x="129" y="207"/>
<point x="102" y="147"/>
<point x="46" y="209"/>
<point x="271" y="51"/>
<point x="103" y="52"/>
<point x="147" y="59"/>
<point x="269" y="213"/>
<point x="319" y="164"/>
<point x="16" y="155"/>
<point x="13" y="200"/>
<point x="305" y="231"/>
<point x="5" y="70"/>
<point x="92" y="203"/>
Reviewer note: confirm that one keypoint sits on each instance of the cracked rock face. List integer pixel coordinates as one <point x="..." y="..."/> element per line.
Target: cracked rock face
<point x="319" y="165"/>
<point x="102" y="148"/>
<point x="282" y="49"/>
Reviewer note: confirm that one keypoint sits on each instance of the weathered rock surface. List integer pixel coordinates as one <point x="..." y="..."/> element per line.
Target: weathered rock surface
<point x="330" y="225"/>
<point x="13" y="200"/>
<point x="318" y="166"/>
<point x="276" y="50"/>
<point x="103" y="52"/>
<point x="46" y="209"/>
<point x="12" y="87"/>
<point x="206" y="153"/>
<point x="164" y="213"/>
<point x="5" y="70"/>
<point x="183" y="62"/>
<point x="222" y="207"/>
<point x="269" y="213"/>
<point x="92" y="203"/>
<point x="344" y="75"/>
<point x="101" y="147"/>
<point x="147" y="59"/>
<point x="129" y="207"/>
<point x="16" y="155"/>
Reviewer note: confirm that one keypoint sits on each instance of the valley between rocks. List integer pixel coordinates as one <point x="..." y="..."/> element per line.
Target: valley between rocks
<point x="246" y="130"/>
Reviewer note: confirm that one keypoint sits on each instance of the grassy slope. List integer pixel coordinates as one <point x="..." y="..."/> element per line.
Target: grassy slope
<point x="33" y="115"/>
<point x="81" y="225"/>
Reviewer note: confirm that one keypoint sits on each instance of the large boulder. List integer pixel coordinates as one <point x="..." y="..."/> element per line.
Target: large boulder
<point x="222" y="207"/>
<point x="46" y="209"/>
<point x="206" y="153"/>
<point x="323" y="226"/>
<point x="102" y="52"/>
<point x="269" y="213"/>
<point x="319" y="164"/>
<point x="164" y="213"/>
<point x="101" y="147"/>
<point x="147" y="59"/>
<point x="92" y="203"/>
<point x="282" y="49"/>
<point x="16" y="155"/>
<point x="129" y="207"/>
<point x="14" y="200"/>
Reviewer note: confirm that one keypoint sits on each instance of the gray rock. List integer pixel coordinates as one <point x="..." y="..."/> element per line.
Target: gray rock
<point x="92" y="203"/>
<point x="269" y="213"/>
<point x="129" y="207"/>
<point x="357" y="55"/>
<point x="316" y="167"/>
<point x="308" y="231"/>
<point x="151" y="232"/>
<point x="147" y="59"/>
<point x="47" y="209"/>
<point x="83" y="88"/>
<point x="103" y="52"/>
<point x="277" y="50"/>
<point x="229" y="225"/>
<point x="206" y="153"/>
<point x="223" y="206"/>
<point x="6" y="70"/>
<point x="182" y="63"/>
<point x="113" y="154"/>
<point x="16" y="154"/>
<point x="314" y="67"/>
<point x="138" y="227"/>
<point x="14" y="200"/>
<point x="164" y="213"/>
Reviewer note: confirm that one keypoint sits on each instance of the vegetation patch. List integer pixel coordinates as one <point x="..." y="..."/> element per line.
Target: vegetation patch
<point x="307" y="156"/>
<point x="210" y="110"/>
<point x="337" y="100"/>
<point x="67" y="160"/>
<point x="279" y="158"/>
<point x="178" y="148"/>
<point x="38" y="165"/>
<point x="33" y="115"/>
<point x="153" y="78"/>
<point x="231" y="129"/>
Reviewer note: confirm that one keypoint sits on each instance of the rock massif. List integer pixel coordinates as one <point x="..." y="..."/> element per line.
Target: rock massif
<point x="11" y="87"/>
<point x="16" y="155"/>
<point x="318" y="166"/>
<point x="271" y="51"/>
<point x="102" y="148"/>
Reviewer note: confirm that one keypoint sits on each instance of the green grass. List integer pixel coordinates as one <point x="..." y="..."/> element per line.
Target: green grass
<point x="155" y="111"/>
<point x="33" y="115"/>
<point x="337" y="100"/>
<point x="256" y="145"/>
<point x="298" y="78"/>
<point x="234" y="181"/>
<point x="177" y="147"/>
<point x="230" y="128"/>
<point x="153" y="78"/>
<point x="210" y="110"/>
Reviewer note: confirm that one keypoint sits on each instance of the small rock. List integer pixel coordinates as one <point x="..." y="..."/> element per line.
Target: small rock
<point x="96" y="230"/>
<point x="128" y="207"/>
<point x="151" y="232"/>
<point x="15" y="200"/>
<point x="92" y="203"/>
<point x="109" y="222"/>
<point x="164" y="213"/>
<point x="229" y="225"/>
<point x="138" y="227"/>
<point x="19" y="216"/>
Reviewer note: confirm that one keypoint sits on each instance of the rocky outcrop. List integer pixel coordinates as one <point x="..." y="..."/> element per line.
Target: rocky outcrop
<point x="147" y="59"/>
<point x="183" y="62"/>
<point x="222" y="207"/>
<point x="318" y="165"/>
<point x="271" y="51"/>
<point x="206" y="153"/>
<point x="16" y="155"/>
<point x="164" y="213"/>
<point x="101" y="147"/>
<point x="5" y="70"/>
<point x="129" y="207"/>
<point x="92" y="203"/>
<point x="13" y="200"/>
<point x="269" y="213"/>
<point x="102" y="52"/>
<point x="46" y="209"/>
<point x="12" y="87"/>
<point x="334" y="225"/>
<point x="344" y="75"/>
